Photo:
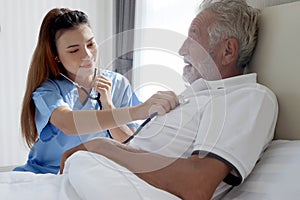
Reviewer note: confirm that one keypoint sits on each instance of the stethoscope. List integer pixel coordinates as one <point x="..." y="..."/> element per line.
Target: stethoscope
<point x="181" y="99"/>
<point x="97" y="98"/>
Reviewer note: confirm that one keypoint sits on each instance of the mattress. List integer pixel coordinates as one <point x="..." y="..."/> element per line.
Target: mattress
<point x="276" y="175"/>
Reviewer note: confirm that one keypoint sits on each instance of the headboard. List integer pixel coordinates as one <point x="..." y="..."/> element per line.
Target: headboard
<point x="277" y="62"/>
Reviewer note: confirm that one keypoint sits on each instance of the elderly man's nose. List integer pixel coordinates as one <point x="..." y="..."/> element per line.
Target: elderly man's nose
<point x="183" y="49"/>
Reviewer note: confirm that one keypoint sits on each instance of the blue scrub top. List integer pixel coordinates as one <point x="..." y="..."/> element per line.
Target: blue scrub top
<point x="52" y="143"/>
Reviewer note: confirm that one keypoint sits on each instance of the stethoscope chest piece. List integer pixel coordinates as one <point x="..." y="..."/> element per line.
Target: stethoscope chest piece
<point x="183" y="100"/>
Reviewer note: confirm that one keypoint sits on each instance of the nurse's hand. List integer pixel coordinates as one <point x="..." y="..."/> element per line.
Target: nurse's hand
<point x="102" y="85"/>
<point x="161" y="102"/>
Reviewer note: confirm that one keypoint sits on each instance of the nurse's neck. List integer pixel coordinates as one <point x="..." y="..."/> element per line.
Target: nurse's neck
<point x="84" y="79"/>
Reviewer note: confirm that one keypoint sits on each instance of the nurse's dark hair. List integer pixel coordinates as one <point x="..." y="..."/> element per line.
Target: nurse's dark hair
<point x="44" y="64"/>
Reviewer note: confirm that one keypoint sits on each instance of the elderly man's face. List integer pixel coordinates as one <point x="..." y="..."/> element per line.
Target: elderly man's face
<point x="197" y="52"/>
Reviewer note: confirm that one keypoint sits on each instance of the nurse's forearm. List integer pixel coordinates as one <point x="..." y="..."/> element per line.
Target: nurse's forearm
<point x="94" y="121"/>
<point x="91" y="121"/>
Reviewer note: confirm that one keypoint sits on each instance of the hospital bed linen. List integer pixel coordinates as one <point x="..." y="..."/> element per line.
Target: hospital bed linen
<point x="91" y="176"/>
<point x="27" y="185"/>
<point x="275" y="177"/>
<point x="86" y="176"/>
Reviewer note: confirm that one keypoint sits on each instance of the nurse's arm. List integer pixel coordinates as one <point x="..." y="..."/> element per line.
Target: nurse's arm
<point x="92" y="121"/>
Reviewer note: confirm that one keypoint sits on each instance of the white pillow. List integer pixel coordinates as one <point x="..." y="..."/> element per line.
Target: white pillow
<point x="93" y="176"/>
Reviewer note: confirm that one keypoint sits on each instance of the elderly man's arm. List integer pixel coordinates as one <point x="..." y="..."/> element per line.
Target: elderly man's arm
<point x="191" y="178"/>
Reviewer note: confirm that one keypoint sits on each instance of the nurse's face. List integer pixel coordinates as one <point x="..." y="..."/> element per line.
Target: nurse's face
<point x="77" y="51"/>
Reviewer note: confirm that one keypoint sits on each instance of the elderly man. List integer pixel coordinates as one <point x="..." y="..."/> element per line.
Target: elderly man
<point x="202" y="148"/>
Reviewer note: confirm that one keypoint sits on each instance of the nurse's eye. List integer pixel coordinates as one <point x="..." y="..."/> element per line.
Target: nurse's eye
<point x="74" y="51"/>
<point x="92" y="45"/>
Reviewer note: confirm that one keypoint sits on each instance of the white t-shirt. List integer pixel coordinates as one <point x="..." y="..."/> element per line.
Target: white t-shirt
<point x="231" y="119"/>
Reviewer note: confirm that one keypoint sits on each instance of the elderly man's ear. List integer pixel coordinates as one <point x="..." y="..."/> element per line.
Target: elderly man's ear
<point x="230" y="51"/>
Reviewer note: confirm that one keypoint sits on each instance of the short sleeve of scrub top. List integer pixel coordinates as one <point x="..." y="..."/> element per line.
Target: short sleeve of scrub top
<point x="237" y="127"/>
<point x="46" y="98"/>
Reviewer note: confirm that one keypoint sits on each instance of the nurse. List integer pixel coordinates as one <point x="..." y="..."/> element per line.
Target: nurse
<point x="67" y="101"/>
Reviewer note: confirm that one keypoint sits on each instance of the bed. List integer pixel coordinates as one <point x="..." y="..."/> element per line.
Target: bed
<point x="276" y="174"/>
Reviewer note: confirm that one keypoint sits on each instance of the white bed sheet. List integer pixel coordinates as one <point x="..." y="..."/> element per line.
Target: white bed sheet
<point x="86" y="176"/>
<point x="91" y="176"/>
<point x="275" y="177"/>
<point x="27" y="185"/>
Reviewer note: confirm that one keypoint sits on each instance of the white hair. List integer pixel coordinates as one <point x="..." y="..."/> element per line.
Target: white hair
<point x="234" y="19"/>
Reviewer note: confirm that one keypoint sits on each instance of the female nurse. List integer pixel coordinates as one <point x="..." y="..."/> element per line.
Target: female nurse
<point x="67" y="101"/>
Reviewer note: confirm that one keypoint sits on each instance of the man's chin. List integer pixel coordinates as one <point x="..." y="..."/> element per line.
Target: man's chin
<point x="188" y="78"/>
<point x="190" y="74"/>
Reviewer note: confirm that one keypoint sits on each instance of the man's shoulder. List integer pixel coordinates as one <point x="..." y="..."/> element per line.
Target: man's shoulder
<point x="254" y="89"/>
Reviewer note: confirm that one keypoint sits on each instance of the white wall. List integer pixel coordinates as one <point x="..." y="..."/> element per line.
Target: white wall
<point x="19" y="22"/>
<point x="266" y="3"/>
